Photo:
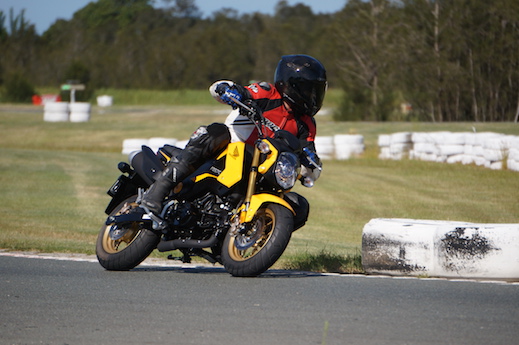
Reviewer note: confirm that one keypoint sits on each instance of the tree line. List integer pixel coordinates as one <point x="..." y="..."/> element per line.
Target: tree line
<point x="428" y="60"/>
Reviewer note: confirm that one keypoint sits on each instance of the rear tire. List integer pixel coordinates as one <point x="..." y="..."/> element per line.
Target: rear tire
<point x="134" y="243"/>
<point x="253" y="253"/>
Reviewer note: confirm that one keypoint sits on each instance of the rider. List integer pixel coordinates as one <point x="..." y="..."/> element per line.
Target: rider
<point x="290" y="104"/>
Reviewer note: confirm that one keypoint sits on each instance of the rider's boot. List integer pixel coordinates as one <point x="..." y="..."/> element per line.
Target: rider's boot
<point x="204" y="143"/>
<point x="172" y="175"/>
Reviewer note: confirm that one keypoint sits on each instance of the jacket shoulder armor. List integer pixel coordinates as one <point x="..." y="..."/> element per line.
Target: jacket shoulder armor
<point x="265" y="86"/>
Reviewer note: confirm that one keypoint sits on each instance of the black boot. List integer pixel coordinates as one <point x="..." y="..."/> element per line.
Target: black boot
<point x="172" y="175"/>
<point x="204" y="143"/>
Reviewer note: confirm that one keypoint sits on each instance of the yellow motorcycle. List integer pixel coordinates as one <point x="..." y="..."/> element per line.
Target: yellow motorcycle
<point x="236" y="209"/>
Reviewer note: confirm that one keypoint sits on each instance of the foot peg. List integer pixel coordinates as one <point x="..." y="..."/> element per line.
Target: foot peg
<point x="158" y="223"/>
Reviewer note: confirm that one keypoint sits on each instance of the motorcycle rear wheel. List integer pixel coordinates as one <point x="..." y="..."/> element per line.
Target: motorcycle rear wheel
<point x="250" y="254"/>
<point x="132" y="245"/>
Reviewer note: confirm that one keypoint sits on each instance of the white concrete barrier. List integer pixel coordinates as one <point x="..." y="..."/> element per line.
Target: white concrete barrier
<point x="410" y="247"/>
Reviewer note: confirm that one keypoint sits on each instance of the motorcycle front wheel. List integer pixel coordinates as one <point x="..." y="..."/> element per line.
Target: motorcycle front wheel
<point x="252" y="252"/>
<point x="123" y="248"/>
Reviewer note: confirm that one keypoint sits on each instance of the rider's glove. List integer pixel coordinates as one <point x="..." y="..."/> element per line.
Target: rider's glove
<point x="310" y="159"/>
<point x="227" y="93"/>
<point x="311" y="165"/>
<point x="223" y="90"/>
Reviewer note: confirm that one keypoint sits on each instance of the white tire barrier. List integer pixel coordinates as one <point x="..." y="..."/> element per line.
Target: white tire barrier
<point x="406" y="247"/>
<point x="182" y="143"/>
<point x="347" y="145"/>
<point x="79" y="112"/>
<point x="135" y="144"/>
<point x="324" y="147"/>
<point x="55" y="112"/>
<point x="105" y="101"/>
<point x="156" y="143"/>
<point x="492" y="150"/>
<point x="132" y="145"/>
<point x="341" y="146"/>
<point x="395" y="146"/>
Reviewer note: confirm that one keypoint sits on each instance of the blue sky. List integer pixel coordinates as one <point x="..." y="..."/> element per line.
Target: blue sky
<point x="42" y="13"/>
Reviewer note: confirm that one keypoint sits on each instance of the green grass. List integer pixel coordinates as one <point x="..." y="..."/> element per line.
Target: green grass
<point x="171" y="97"/>
<point x="53" y="179"/>
<point x="327" y="262"/>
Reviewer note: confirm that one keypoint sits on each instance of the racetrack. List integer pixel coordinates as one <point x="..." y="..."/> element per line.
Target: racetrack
<point x="77" y="302"/>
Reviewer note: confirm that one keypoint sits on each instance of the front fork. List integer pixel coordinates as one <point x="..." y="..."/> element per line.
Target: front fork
<point x="253" y="201"/>
<point x="251" y="185"/>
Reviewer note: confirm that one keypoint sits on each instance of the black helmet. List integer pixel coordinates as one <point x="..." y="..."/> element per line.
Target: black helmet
<point x="301" y="80"/>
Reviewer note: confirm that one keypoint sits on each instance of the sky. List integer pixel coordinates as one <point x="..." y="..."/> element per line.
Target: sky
<point x="43" y="13"/>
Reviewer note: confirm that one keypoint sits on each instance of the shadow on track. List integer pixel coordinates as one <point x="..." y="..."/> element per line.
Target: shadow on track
<point x="272" y="273"/>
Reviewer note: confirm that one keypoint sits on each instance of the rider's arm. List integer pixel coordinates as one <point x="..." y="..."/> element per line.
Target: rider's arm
<point x="311" y="164"/>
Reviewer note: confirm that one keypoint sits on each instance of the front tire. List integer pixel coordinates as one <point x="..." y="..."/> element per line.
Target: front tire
<point x="126" y="247"/>
<point x="254" y="252"/>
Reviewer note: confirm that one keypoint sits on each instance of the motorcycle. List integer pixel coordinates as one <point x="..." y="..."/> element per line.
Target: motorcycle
<point x="236" y="209"/>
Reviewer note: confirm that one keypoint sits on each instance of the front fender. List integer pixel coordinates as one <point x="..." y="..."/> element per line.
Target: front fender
<point x="255" y="203"/>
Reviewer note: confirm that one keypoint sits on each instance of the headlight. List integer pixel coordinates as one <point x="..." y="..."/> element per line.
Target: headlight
<point x="286" y="170"/>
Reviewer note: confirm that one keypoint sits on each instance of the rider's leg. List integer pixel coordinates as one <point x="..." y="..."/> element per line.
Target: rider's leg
<point x="174" y="172"/>
<point x="206" y="142"/>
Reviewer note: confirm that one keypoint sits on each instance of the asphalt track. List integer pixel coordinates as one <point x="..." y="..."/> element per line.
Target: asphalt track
<point x="77" y="302"/>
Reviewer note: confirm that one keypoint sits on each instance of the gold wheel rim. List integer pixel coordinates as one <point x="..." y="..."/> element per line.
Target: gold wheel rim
<point x="114" y="246"/>
<point x="266" y="219"/>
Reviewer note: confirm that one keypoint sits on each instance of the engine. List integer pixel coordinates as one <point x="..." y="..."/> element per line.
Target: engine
<point x="197" y="219"/>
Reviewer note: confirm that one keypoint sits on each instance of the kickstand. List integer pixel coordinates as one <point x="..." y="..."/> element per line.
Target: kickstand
<point x="188" y="253"/>
<point x="185" y="258"/>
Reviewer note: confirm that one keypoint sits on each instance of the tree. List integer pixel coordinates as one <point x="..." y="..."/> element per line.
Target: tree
<point x="452" y="60"/>
<point x="369" y="36"/>
<point x="17" y="89"/>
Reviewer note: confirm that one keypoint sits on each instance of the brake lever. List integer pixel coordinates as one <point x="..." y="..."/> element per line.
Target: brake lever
<point x="251" y="111"/>
<point x="241" y="104"/>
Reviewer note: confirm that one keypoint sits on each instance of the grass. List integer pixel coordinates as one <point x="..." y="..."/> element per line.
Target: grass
<point x="327" y="262"/>
<point x="171" y="97"/>
<point x="53" y="179"/>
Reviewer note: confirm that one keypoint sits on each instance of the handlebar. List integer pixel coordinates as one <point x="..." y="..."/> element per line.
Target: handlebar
<point x="251" y="114"/>
<point x="241" y="104"/>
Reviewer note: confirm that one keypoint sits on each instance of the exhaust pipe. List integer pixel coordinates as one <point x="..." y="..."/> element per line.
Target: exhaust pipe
<point x="165" y="246"/>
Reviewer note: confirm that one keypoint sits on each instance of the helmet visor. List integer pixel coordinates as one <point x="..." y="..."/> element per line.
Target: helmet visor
<point x="309" y="95"/>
